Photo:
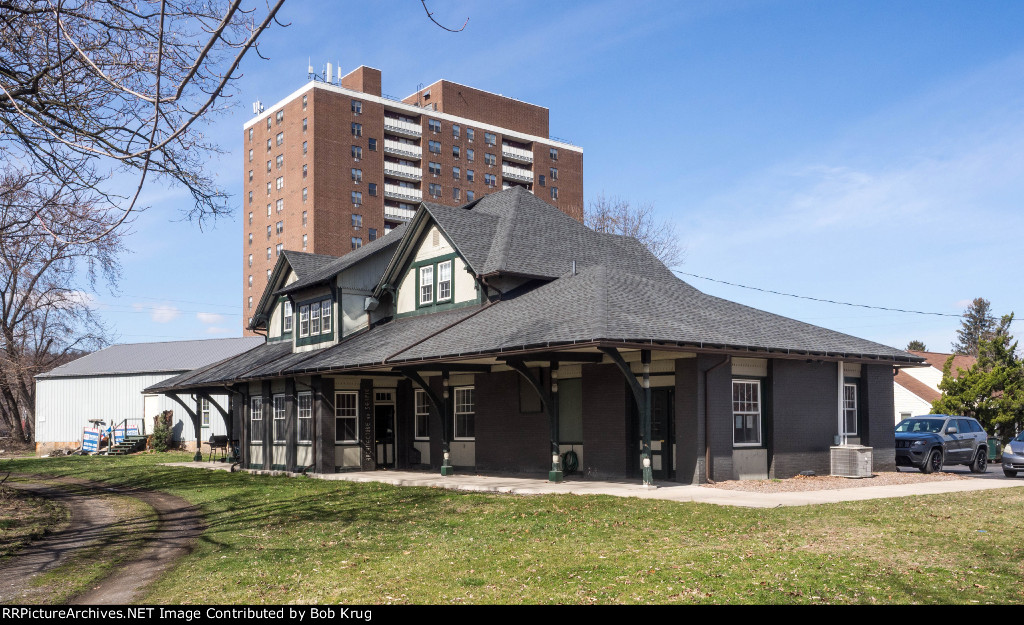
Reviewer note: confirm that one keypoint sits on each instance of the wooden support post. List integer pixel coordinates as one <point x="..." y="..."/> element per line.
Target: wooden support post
<point x="446" y="422"/>
<point x="438" y="404"/>
<point x="291" y="426"/>
<point x="642" y="396"/>
<point x="549" y="400"/>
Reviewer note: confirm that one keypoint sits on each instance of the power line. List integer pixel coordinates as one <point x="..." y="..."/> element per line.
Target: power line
<point x="818" y="299"/>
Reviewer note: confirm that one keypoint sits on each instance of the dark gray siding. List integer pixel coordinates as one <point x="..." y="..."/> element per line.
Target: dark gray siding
<point x="804" y="403"/>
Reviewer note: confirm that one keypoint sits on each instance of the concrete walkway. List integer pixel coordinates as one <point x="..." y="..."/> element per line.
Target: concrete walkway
<point x="666" y="491"/>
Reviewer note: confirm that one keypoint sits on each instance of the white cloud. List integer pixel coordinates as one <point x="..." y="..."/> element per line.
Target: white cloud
<point x="163" y="313"/>
<point x="209" y="318"/>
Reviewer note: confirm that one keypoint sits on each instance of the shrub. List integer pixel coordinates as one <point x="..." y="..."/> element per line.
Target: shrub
<point x="162" y="438"/>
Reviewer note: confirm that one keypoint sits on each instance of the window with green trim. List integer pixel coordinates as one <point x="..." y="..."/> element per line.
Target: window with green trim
<point x="286" y="311"/>
<point x="305" y="434"/>
<point x="444" y="281"/>
<point x="422" y="415"/>
<point x="426" y="284"/>
<point x="315" y="318"/>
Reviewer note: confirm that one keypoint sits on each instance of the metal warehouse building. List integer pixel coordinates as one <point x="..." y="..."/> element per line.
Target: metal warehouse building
<point x="109" y="385"/>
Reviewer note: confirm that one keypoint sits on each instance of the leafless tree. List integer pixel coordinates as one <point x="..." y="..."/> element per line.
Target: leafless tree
<point x="45" y="313"/>
<point x="93" y="88"/>
<point x="618" y="216"/>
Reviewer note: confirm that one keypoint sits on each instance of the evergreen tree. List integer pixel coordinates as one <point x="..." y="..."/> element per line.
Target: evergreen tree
<point x="916" y="346"/>
<point x="992" y="390"/>
<point x="977" y="324"/>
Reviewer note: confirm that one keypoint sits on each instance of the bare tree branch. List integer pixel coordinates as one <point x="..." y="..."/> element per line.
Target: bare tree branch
<point x="617" y="216"/>
<point x="431" y="16"/>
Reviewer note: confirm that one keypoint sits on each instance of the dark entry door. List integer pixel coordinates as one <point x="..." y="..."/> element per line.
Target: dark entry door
<point x="384" y="432"/>
<point x="662" y="433"/>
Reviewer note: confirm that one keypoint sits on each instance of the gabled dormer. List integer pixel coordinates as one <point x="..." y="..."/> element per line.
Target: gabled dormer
<point x="428" y="273"/>
<point x="289" y="316"/>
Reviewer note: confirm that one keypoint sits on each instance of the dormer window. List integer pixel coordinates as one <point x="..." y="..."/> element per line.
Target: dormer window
<point x="444" y="281"/>
<point x="287" y="312"/>
<point x="315" y="318"/>
<point x="426" y="284"/>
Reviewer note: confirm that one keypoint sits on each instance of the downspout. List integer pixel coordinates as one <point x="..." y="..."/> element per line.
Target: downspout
<point x="707" y="446"/>
<point x="842" y="428"/>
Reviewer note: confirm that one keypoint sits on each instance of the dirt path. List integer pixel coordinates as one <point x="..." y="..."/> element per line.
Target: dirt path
<point x="179" y="525"/>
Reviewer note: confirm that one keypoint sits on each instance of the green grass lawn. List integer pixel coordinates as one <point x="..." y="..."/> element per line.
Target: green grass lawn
<point x="280" y="540"/>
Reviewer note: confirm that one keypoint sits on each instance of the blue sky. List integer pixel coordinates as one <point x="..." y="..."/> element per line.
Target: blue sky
<point x="868" y="152"/>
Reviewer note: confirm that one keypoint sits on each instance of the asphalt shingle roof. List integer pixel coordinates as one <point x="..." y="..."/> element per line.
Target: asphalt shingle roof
<point x="516" y="232"/>
<point x="327" y="270"/>
<point x="601" y="303"/>
<point x="153" y="357"/>
<point x="620" y="292"/>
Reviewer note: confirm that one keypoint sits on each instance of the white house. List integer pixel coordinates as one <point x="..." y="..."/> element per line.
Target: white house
<point x="915" y="389"/>
<point x="108" y="385"/>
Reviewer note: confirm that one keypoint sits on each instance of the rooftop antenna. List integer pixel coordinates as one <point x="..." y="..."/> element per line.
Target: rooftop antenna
<point x="257" y="107"/>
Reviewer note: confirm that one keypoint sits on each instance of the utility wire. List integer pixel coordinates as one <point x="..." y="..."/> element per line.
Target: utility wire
<point x="818" y="299"/>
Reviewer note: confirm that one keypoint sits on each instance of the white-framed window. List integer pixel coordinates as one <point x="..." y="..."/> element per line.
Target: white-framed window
<point x="444" y="281"/>
<point x="346" y="417"/>
<point x="490" y="138"/>
<point x="746" y="412"/>
<point x="357" y="107"/>
<point x="426" y="284"/>
<point x="279" y="433"/>
<point x="204" y="412"/>
<point x="325" y="316"/>
<point x="280" y="116"/>
<point x="469" y="134"/>
<point x="286" y="310"/>
<point x="256" y="419"/>
<point x="280" y="182"/>
<point x="314" y="319"/>
<point x="465" y="413"/>
<point x="280" y="138"/>
<point x="303" y="320"/>
<point x="850" y="409"/>
<point x="422" y="415"/>
<point x="305" y="432"/>
<point x="434" y="125"/>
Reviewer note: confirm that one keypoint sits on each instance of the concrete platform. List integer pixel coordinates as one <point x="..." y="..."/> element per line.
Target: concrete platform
<point x="664" y="491"/>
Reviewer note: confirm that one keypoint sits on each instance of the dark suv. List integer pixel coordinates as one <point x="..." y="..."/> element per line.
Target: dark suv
<point x="934" y="440"/>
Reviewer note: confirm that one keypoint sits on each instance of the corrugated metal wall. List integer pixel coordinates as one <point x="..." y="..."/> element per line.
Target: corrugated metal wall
<point x="65" y="405"/>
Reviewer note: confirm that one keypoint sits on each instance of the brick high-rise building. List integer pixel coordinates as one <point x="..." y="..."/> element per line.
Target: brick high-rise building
<point x="346" y="164"/>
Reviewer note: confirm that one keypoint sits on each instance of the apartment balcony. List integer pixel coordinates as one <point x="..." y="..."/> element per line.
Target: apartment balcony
<point x="395" y="213"/>
<point x="513" y="153"/>
<point x="403" y="128"/>
<point x="396" y="192"/>
<point x="404" y="172"/>
<point x="505" y="186"/>
<point x="402" y="149"/>
<point x="511" y="172"/>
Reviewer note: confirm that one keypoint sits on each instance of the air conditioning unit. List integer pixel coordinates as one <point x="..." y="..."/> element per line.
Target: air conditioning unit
<point x="851" y="461"/>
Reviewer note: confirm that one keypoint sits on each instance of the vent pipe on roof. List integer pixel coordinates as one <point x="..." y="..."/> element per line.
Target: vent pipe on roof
<point x="574" y="268"/>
